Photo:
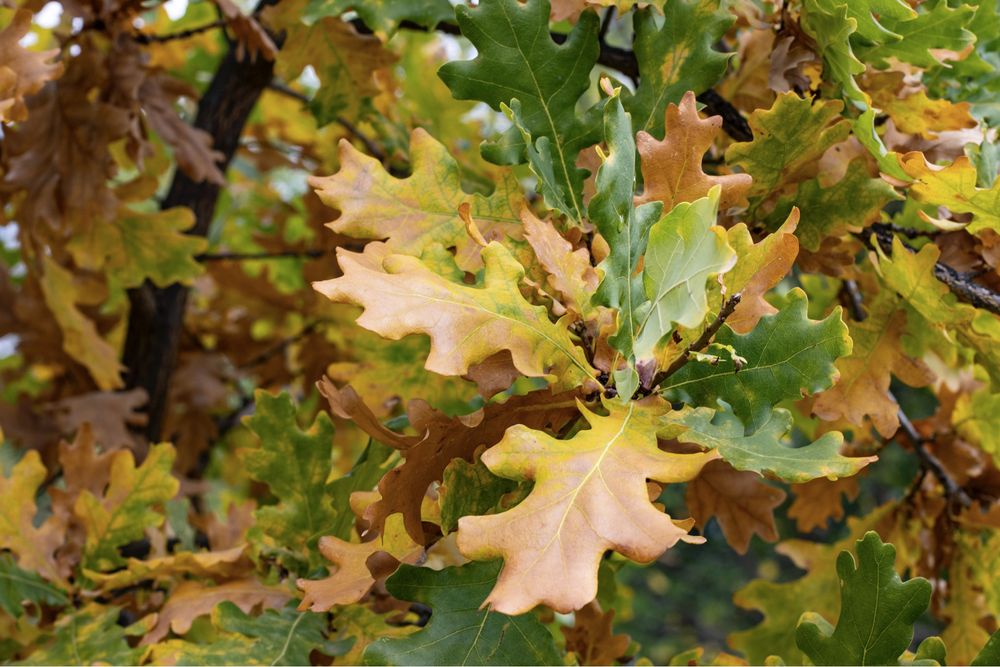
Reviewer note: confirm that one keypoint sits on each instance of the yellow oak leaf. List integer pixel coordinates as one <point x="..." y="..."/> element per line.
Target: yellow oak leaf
<point x="759" y="267"/>
<point x="589" y="496"/>
<point x="359" y="565"/>
<point x="863" y="389"/>
<point x="954" y="187"/>
<point x="219" y="565"/>
<point x="915" y="113"/>
<point x="671" y="168"/>
<point x="466" y="324"/>
<point x="81" y="340"/>
<point x="416" y="213"/>
<point x="22" y="72"/>
<point x="34" y="546"/>
<point x="571" y="273"/>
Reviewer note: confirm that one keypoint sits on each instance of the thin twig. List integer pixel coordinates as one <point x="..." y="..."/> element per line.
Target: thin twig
<point x="245" y="256"/>
<point x="951" y="488"/>
<point x="961" y="285"/>
<point x="146" y="38"/>
<point x="854" y="300"/>
<point x="373" y="149"/>
<point x="700" y="344"/>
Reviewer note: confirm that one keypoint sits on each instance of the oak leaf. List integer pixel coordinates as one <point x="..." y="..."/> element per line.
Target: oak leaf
<point x="416" y="213"/>
<point x="589" y="496"/>
<point x="740" y="501"/>
<point x="22" y="72"/>
<point x="955" y="187"/>
<point x="517" y="59"/>
<point x="759" y="267"/>
<point x="591" y="637"/>
<point x="81" y="339"/>
<point x="218" y="565"/>
<point x="676" y="57"/>
<point x="359" y="565"/>
<point x="570" y="271"/>
<point x="466" y="325"/>
<point x="786" y="356"/>
<point x="127" y="507"/>
<point x="34" y="546"/>
<point x="863" y="388"/>
<point x="788" y="138"/>
<point x="190" y="599"/>
<point x="672" y="169"/>
<point x="109" y="414"/>
<point x="818" y="501"/>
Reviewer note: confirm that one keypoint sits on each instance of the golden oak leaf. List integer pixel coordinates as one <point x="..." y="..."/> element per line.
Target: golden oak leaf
<point x="954" y="187"/>
<point x="967" y="605"/>
<point x="416" y="213"/>
<point x="22" y="72"/>
<point x="218" y="565"/>
<point x="34" y="547"/>
<point x="344" y="60"/>
<point x="109" y="414"/>
<point x="671" y="169"/>
<point x="913" y="112"/>
<point x="359" y="566"/>
<point x="759" y="267"/>
<point x="571" y="273"/>
<point x="466" y="325"/>
<point x="191" y="599"/>
<point x="591" y="637"/>
<point x="81" y="340"/>
<point x="818" y="501"/>
<point x="589" y="496"/>
<point x="863" y="388"/>
<point x="741" y="502"/>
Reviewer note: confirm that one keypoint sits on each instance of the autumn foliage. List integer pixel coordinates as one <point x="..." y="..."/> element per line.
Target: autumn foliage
<point x="398" y="332"/>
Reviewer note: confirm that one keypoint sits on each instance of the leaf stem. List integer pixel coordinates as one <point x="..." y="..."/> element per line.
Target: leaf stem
<point x="700" y="344"/>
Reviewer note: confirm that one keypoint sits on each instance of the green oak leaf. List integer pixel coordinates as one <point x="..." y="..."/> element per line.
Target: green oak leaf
<point x="832" y="25"/>
<point x="877" y="611"/>
<point x="625" y="227"/>
<point x="459" y="631"/>
<point x="685" y="248"/>
<point x="674" y="52"/>
<point x="869" y="13"/>
<point x="382" y="16"/>
<point x="469" y="489"/>
<point x="296" y="464"/>
<point x="131" y="504"/>
<point x="284" y="637"/>
<point x="990" y="654"/>
<point x="936" y="26"/>
<point x="793" y="133"/>
<point x="517" y="59"/>
<point x="89" y="636"/>
<point x="856" y="200"/>
<point x="766" y="452"/>
<point x="138" y="246"/>
<point x="19" y="586"/>
<point x="787" y="355"/>
<point x="931" y="652"/>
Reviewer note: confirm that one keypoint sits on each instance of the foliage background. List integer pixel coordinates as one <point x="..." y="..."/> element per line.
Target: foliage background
<point x="161" y="235"/>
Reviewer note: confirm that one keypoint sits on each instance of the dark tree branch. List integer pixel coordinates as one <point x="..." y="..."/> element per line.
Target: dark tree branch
<point x="156" y="314"/>
<point x="952" y="490"/>
<point x="700" y="344"/>
<point x="961" y="285"/>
